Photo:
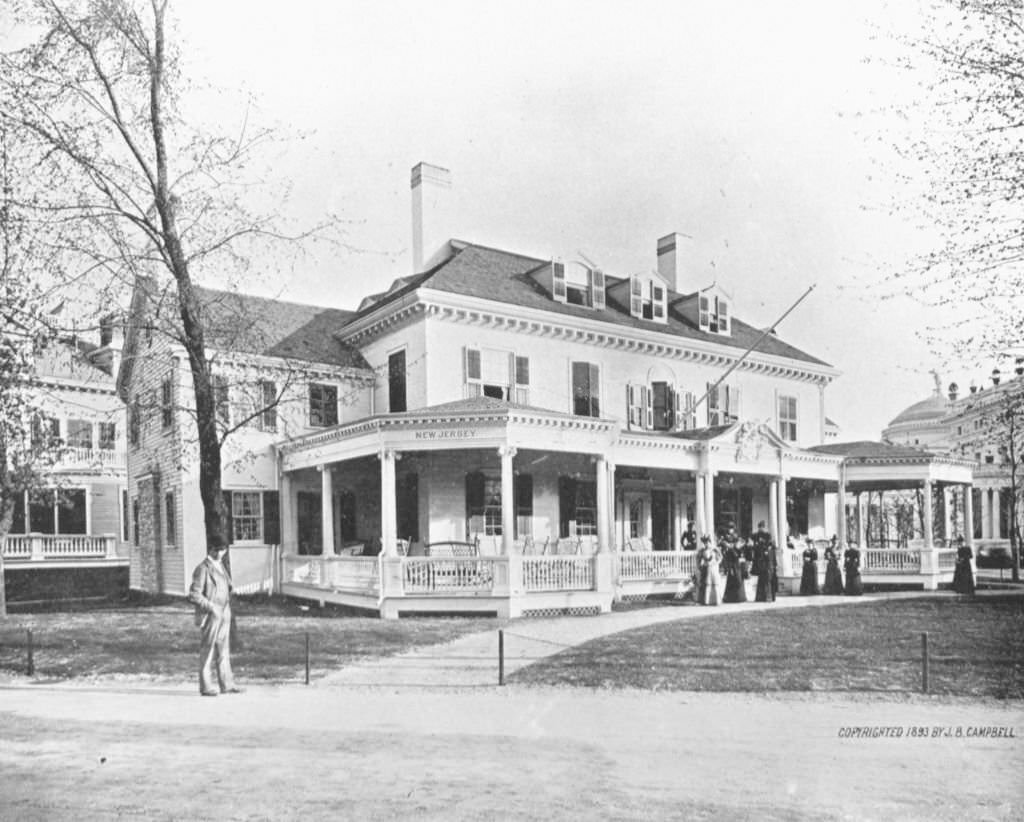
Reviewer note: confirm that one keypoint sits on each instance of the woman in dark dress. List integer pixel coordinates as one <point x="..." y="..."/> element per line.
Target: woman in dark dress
<point x="708" y="558"/>
<point x="833" y="576"/>
<point x="851" y="565"/>
<point x="688" y="542"/>
<point x="764" y="565"/>
<point x="809" y="576"/>
<point x="963" y="575"/>
<point x="732" y="559"/>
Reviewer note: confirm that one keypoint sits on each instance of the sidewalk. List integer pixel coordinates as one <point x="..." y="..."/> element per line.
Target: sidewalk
<point x="472" y="661"/>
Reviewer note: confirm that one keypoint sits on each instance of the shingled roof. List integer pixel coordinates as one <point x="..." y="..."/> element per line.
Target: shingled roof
<point x="503" y="276"/>
<point x="275" y="328"/>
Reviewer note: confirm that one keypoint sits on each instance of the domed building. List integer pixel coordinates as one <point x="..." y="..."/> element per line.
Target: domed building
<point x="967" y="427"/>
<point x="923" y="424"/>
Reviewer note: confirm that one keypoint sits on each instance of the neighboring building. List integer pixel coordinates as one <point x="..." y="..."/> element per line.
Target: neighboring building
<point x="559" y="423"/>
<point x="278" y="373"/>
<point x="968" y="427"/>
<point x="70" y="540"/>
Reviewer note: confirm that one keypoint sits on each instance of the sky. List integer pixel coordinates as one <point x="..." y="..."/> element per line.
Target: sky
<point x="761" y="130"/>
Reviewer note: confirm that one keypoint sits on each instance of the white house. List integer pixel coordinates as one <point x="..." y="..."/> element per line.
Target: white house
<point x="530" y="434"/>
<point x="70" y="539"/>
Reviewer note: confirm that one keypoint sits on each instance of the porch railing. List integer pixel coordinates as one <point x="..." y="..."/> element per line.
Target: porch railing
<point x="891" y="561"/>
<point x="443" y="575"/>
<point x="38" y="547"/>
<point x="93" y="457"/>
<point x="643" y="565"/>
<point x="558" y="573"/>
<point x="947" y="559"/>
<point x="334" y="573"/>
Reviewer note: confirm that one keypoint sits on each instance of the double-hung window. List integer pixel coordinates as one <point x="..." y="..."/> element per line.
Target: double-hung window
<point x="586" y="384"/>
<point x="268" y="405"/>
<point x="723" y="404"/>
<point x="396" y="381"/>
<point x="323" y="405"/>
<point x="647" y="299"/>
<point x="660" y="406"/>
<point x="79" y="434"/>
<point x="787" y="418"/>
<point x="494" y="373"/>
<point x="107" y="436"/>
<point x="167" y="403"/>
<point x="246" y="516"/>
<point x="713" y="314"/>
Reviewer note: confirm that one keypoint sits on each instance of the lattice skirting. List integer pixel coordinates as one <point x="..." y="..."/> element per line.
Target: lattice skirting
<point x="582" y="610"/>
<point x="687" y="594"/>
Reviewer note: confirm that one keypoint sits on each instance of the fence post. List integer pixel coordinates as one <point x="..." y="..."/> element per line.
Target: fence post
<point x="924" y="662"/>
<point x="307" y="657"/>
<point x="31" y="661"/>
<point x="501" y="657"/>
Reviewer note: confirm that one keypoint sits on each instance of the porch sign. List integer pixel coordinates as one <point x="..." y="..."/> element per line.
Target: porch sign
<point x="436" y="434"/>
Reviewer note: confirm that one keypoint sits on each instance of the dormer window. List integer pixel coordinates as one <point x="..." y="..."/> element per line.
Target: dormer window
<point x="713" y="314"/>
<point x="647" y="299"/>
<point x="578" y="284"/>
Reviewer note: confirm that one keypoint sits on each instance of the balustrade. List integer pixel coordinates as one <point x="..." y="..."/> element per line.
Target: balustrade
<point x="443" y="575"/>
<point x="58" y="546"/>
<point x="641" y="565"/>
<point x="890" y="561"/>
<point x="558" y="573"/>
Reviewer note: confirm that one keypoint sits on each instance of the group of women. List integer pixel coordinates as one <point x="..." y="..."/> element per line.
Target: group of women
<point x="737" y="562"/>
<point x="834" y="584"/>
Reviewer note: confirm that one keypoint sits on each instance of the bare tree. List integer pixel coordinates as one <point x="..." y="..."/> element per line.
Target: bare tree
<point x="124" y="185"/>
<point x="966" y="172"/>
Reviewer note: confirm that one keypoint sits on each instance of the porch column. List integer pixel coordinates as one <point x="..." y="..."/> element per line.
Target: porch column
<point x="996" y="511"/>
<point x="699" y="516"/>
<point x="773" y="509"/>
<point x="968" y="492"/>
<point x="928" y="535"/>
<point x="783" y="515"/>
<point x="841" y="510"/>
<point x="947" y="515"/>
<point x="986" y="515"/>
<point x="862" y="523"/>
<point x="388" y="518"/>
<point x="508" y="499"/>
<point x="709" y="505"/>
<point x="610" y="497"/>
<point x="601" y="487"/>
<point x="326" y="510"/>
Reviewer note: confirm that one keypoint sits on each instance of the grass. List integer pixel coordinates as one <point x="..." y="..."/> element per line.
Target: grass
<point x="158" y="639"/>
<point x="976" y="648"/>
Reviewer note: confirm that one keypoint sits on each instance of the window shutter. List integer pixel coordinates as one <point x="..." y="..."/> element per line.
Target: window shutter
<point x="636" y="297"/>
<point x="558" y="290"/>
<point x="648" y="400"/>
<point x="566" y="504"/>
<point x="597" y="288"/>
<point x="474" y="494"/>
<point x="714" y="417"/>
<point x="595" y="382"/>
<point x="733" y="400"/>
<point x="723" y="317"/>
<point x="691" y="410"/>
<point x="272" y="517"/>
<point x="472" y="363"/>
<point x="229" y="524"/>
<point x="704" y="318"/>
<point x="634" y="406"/>
<point x="671" y="408"/>
<point x="658" y="300"/>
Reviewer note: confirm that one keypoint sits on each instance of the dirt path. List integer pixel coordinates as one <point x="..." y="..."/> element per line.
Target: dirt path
<point x="319" y="752"/>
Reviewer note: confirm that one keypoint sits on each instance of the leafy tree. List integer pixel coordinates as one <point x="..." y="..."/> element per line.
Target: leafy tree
<point x="26" y="450"/>
<point x="967" y="170"/>
<point x="125" y="186"/>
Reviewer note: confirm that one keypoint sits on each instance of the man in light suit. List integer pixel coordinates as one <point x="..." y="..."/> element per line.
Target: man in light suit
<point x="211" y="594"/>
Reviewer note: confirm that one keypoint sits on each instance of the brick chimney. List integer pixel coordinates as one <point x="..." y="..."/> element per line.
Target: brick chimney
<point x="431" y="231"/>
<point x="672" y="250"/>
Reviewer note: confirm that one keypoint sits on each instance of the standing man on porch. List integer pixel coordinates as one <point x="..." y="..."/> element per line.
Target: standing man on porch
<point x="211" y="594"/>
<point x="765" y="565"/>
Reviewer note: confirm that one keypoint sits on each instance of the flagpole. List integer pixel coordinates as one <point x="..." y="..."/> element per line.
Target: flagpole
<point x="757" y="342"/>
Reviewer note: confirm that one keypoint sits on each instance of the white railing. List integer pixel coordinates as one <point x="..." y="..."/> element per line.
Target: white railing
<point x="17" y="546"/>
<point x="641" y="565"/>
<point x="305" y="570"/>
<point x="443" y="575"/>
<point x="99" y="457"/>
<point x="558" y="573"/>
<point x="890" y="561"/>
<point x="947" y="559"/>
<point x="352" y="574"/>
<point x="37" y="547"/>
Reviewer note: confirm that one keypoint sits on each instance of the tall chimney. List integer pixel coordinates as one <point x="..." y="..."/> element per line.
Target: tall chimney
<point x="671" y="252"/>
<point x="430" y="206"/>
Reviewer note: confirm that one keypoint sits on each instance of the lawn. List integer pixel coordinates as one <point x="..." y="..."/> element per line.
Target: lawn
<point x="160" y="641"/>
<point x="976" y="648"/>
